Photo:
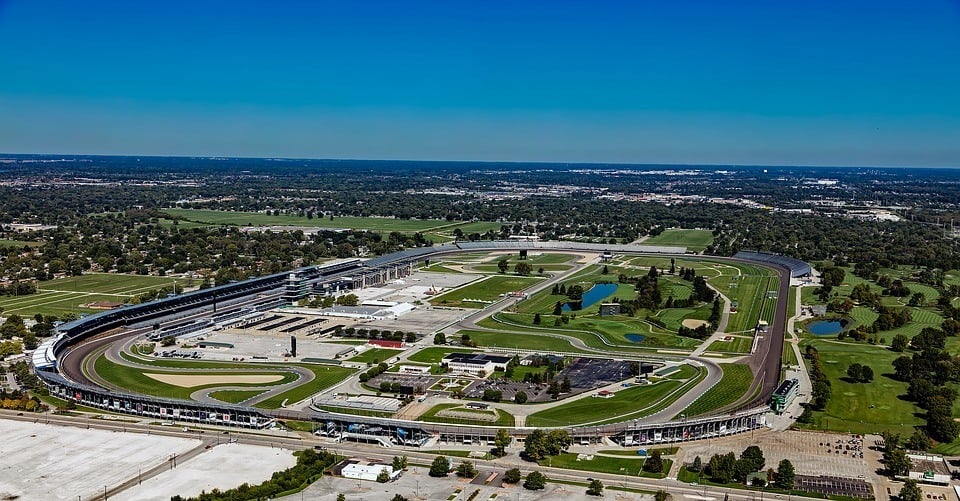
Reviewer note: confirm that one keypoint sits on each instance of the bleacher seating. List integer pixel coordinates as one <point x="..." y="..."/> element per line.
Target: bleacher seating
<point x="797" y="267"/>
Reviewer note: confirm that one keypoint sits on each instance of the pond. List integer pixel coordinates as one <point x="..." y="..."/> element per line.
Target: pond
<point x="594" y="295"/>
<point x="825" y="327"/>
<point x="635" y="338"/>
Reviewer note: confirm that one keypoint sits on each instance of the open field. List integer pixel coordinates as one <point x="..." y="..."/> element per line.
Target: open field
<point x="136" y="380"/>
<point x="231" y="218"/>
<point x="736" y="345"/>
<point x="66" y="295"/>
<point x="503" y="418"/>
<point x="376" y="355"/>
<point x="488" y="289"/>
<point x="325" y="376"/>
<point x="531" y="341"/>
<point x="694" y="240"/>
<point x="234" y="396"/>
<point x="434" y="354"/>
<point x="734" y="383"/>
<point x="18" y="243"/>
<point x="863" y="407"/>
<point x="631" y="467"/>
<point x="196" y="380"/>
<point x="587" y="410"/>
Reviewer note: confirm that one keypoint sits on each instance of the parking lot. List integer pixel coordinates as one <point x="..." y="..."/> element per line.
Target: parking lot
<point x="806" y="450"/>
<point x="590" y="373"/>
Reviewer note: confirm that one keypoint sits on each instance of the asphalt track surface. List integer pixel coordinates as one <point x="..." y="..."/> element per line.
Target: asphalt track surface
<point x="765" y="362"/>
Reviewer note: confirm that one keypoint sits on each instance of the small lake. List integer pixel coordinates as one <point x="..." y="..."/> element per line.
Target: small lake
<point x="825" y="327"/>
<point x="635" y="338"/>
<point x="594" y="295"/>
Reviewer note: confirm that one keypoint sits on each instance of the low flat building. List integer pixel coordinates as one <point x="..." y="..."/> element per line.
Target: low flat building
<point x="369" y="472"/>
<point x="475" y="363"/>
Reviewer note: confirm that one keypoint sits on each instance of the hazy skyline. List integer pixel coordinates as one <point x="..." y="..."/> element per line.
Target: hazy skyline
<point x="817" y="83"/>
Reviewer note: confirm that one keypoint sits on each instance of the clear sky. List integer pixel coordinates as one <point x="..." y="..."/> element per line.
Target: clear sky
<point x="768" y="82"/>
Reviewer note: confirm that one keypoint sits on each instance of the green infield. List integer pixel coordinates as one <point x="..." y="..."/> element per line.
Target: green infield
<point x="376" y="355"/>
<point x="325" y="376"/>
<point x="863" y="407"/>
<point x="627" y="403"/>
<point x="491" y="417"/>
<point x="134" y="379"/>
<point x="230" y="218"/>
<point x="234" y="396"/>
<point x="737" y="344"/>
<point x="734" y="384"/>
<point x="693" y="240"/>
<point x="490" y="289"/>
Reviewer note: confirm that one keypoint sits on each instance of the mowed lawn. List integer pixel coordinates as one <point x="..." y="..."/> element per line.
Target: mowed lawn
<point x="694" y="240"/>
<point x="590" y="409"/>
<point x="735" y="382"/>
<point x="325" y="376"/>
<point x="532" y="341"/>
<point x="231" y="218"/>
<point x="435" y="354"/>
<point x="488" y="289"/>
<point x="376" y="355"/>
<point x="68" y="295"/>
<point x="863" y="407"/>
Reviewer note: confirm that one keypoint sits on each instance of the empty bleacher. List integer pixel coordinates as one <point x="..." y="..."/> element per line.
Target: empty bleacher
<point x="797" y="267"/>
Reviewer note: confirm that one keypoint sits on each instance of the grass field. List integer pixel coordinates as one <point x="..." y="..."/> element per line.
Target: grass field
<point x="736" y="345"/>
<point x="325" y="376"/>
<point x="234" y="396"/>
<point x="863" y="407"/>
<point x="488" y="289"/>
<point x="376" y="355"/>
<point x="503" y="418"/>
<point x="434" y="354"/>
<point x="734" y="383"/>
<point x="231" y="218"/>
<point x="541" y="342"/>
<point x="693" y="240"/>
<point x="18" y="243"/>
<point x="628" y="401"/>
<point x="631" y="467"/>
<point x="134" y="379"/>
<point x="67" y="295"/>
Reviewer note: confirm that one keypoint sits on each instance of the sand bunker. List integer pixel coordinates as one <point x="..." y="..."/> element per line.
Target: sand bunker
<point x="191" y="380"/>
<point x="692" y="323"/>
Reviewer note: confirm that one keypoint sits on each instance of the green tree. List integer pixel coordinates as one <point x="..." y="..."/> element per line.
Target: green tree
<point x="654" y="463"/>
<point x="536" y="319"/>
<point x="558" y="441"/>
<point x="661" y="495"/>
<point x="466" y="470"/>
<point x="383" y="477"/>
<point x="512" y="476"/>
<point x="896" y="462"/>
<point x="501" y="442"/>
<point x="341" y="497"/>
<point x="440" y="467"/>
<point x="520" y="397"/>
<point x="535" y="446"/>
<point x="503" y="265"/>
<point x="523" y="269"/>
<point x="899" y="343"/>
<point x="854" y="371"/>
<point x="398" y="497"/>
<point x="785" y="475"/>
<point x="910" y="491"/>
<point x="754" y="456"/>
<point x="919" y="441"/>
<point x="697" y="465"/>
<point x="595" y="488"/>
<point x="535" y="481"/>
<point x="440" y="338"/>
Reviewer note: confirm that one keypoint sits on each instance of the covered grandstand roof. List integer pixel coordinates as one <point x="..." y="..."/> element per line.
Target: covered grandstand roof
<point x="797" y="267"/>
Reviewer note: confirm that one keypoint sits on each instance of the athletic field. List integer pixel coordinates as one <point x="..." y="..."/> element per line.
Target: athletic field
<point x="70" y="295"/>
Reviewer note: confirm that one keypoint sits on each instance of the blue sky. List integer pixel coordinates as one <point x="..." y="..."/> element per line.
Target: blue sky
<point x="795" y="83"/>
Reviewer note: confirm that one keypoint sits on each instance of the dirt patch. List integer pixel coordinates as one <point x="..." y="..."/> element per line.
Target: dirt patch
<point x="192" y="380"/>
<point x="692" y="323"/>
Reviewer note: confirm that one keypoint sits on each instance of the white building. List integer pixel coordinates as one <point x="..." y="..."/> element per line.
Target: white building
<point x="475" y="363"/>
<point x="369" y="472"/>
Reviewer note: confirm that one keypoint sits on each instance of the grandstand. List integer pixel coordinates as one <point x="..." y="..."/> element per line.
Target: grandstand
<point x="797" y="267"/>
